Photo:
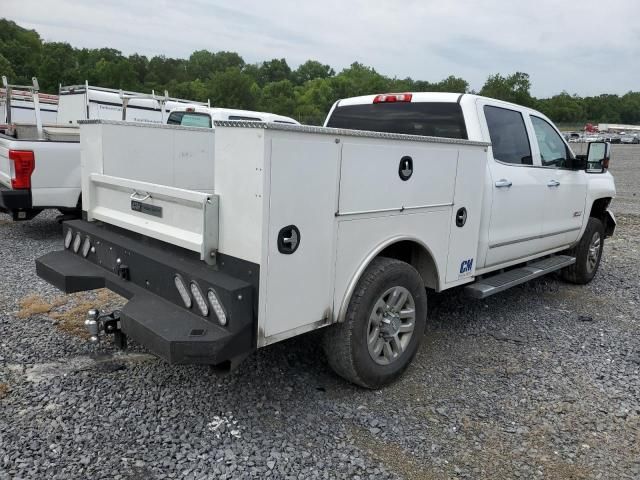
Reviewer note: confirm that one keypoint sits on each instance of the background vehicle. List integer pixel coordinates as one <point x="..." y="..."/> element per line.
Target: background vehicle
<point x="40" y="161"/>
<point x="190" y="116"/>
<point x="295" y="228"/>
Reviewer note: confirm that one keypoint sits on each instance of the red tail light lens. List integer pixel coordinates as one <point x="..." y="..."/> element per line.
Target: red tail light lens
<point x="393" y="97"/>
<point x="22" y="165"/>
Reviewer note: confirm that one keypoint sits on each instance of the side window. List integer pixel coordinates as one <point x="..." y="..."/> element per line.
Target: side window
<point x="509" y="137"/>
<point x="553" y="151"/>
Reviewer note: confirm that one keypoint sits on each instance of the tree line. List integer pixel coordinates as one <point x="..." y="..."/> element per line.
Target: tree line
<point x="305" y="93"/>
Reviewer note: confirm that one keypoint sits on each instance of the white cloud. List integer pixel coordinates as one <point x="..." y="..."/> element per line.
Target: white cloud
<point x="586" y="46"/>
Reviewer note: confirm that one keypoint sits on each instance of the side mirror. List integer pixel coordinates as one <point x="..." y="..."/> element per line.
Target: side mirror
<point x="598" y="154"/>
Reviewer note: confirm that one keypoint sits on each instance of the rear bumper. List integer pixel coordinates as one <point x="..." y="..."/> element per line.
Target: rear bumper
<point x="155" y="315"/>
<point x="16" y="202"/>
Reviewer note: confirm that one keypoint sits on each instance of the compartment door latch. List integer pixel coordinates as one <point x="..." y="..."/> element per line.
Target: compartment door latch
<point x="288" y="239"/>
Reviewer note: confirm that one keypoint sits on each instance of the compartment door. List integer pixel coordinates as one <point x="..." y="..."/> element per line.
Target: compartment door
<point x="466" y="214"/>
<point x="303" y="188"/>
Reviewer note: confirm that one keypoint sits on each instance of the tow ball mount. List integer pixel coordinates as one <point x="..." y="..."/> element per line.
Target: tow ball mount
<point x="108" y="324"/>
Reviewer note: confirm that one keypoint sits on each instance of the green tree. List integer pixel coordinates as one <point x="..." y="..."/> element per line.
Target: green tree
<point x="5" y="68"/>
<point x="358" y="80"/>
<point x="310" y="70"/>
<point x="278" y="97"/>
<point x="513" y="88"/>
<point x="233" y="89"/>
<point x="313" y="101"/>
<point x="58" y="66"/>
<point x="563" y="108"/>
<point x="273" y="71"/>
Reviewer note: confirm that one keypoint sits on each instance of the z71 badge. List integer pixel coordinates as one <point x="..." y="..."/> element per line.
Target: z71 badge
<point x="145" y="208"/>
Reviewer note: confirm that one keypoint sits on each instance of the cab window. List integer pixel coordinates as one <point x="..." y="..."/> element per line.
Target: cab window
<point x="553" y="151"/>
<point x="509" y="138"/>
<point x="189" y="119"/>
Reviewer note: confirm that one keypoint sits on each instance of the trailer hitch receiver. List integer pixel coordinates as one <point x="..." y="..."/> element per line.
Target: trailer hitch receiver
<point x="99" y="325"/>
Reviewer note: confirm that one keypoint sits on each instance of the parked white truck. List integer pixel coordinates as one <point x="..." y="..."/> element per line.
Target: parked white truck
<point x="344" y="227"/>
<point x="40" y="164"/>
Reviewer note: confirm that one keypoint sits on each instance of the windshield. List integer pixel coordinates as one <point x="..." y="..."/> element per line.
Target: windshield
<point x="189" y="119"/>
<point x="420" y="118"/>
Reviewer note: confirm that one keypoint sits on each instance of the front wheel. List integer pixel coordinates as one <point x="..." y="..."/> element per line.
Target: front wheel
<point x="383" y="325"/>
<point x="588" y="253"/>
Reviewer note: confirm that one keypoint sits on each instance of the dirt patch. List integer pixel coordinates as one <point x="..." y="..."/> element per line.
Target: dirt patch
<point x="70" y="318"/>
<point x="392" y="456"/>
<point x="4" y="390"/>
<point x="69" y="311"/>
<point x="36" y="305"/>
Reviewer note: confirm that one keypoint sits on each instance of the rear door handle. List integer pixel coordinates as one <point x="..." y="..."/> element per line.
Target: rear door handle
<point x="553" y="183"/>
<point x="503" y="183"/>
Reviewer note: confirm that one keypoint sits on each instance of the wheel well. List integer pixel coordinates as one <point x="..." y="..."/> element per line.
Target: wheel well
<point x="599" y="211"/>
<point x="599" y="208"/>
<point x="417" y="256"/>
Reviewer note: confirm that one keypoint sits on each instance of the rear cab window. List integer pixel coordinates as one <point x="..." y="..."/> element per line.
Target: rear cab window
<point x="190" y="119"/>
<point x="434" y="119"/>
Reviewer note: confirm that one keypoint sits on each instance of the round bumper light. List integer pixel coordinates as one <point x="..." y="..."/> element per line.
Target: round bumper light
<point x="217" y="306"/>
<point x="68" y="238"/>
<point x="182" y="290"/>
<point x="201" y="302"/>
<point x="76" y="242"/>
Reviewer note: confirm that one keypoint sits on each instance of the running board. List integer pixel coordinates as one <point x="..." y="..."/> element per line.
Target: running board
<point x="502" y="281"/>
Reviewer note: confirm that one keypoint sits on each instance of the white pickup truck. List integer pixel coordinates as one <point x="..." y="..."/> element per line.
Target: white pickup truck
<point x="40" y="169"/>
<point x="342" y="227"/>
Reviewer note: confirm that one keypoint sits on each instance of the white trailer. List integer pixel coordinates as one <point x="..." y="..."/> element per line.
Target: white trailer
<point x="294" y="228"/>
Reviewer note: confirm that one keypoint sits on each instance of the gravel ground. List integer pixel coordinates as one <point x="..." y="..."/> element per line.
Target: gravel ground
<point x="541" y="381"/>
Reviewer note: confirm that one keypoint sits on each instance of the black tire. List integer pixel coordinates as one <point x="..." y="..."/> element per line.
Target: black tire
<point x="345" y="344"/>
<point x="585" y="268"/>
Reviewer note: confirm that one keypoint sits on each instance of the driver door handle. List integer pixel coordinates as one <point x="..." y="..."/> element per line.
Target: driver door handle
<point x="503" y="183"/>
<point x="553" y="183"/>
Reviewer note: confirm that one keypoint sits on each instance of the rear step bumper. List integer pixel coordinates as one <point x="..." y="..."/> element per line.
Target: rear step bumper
<point x="503" y="281"/>
<point x="17" y="203"/>
<point x="155" y="315"/>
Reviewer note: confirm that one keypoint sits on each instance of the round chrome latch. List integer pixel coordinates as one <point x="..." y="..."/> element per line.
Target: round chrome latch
<point x="461" y="217"/>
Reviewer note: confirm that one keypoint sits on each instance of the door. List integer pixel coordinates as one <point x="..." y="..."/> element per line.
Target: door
<point x="565" y="189"/>
<point x="515" y="225"/>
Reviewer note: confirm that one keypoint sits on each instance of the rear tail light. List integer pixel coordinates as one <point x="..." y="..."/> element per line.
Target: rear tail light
<point x="393" y="97"/>
<point x="22" y="166"/>
<point x="605" y="163"/>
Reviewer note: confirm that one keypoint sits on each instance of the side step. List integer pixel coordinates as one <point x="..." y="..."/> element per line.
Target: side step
<point x="502" y="281"/>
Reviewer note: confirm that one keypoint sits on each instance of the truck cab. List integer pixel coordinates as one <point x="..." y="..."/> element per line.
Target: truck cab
<point x="294" y="228"/>
<point x="537" y="195"/>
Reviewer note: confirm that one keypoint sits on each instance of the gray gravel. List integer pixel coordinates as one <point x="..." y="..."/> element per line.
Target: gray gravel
<point x="542" y="381"/>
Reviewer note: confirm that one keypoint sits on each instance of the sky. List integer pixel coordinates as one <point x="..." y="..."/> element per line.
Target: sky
<point x="585" y="47"/>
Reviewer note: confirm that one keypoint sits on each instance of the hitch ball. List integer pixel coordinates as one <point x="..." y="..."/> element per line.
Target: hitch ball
<point x="91" y="324"/>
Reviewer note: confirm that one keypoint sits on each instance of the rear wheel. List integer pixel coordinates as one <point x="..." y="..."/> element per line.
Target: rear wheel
<point x="588" y="253"/>
<point x="383" y="326"/>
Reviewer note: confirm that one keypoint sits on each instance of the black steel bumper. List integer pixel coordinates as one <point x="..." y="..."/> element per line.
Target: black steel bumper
<point x="143" y="270"/>
<point x="17" y="203"/>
